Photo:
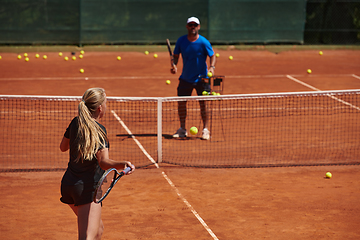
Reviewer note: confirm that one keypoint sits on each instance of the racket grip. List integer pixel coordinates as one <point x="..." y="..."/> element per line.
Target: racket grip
<point x="126" y="170"/>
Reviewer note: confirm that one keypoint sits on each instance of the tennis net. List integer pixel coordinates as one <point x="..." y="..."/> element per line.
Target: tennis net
<point x="252" y="130"/>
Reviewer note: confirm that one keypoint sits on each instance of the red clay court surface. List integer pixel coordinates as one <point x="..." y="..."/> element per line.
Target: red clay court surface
<point x="244" y="203"/>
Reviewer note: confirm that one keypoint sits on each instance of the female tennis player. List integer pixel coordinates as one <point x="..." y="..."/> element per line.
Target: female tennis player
<point x="89" y="157"/>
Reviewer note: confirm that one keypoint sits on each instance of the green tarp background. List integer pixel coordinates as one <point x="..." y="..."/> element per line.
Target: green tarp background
<point x="151" y="21"/>
<point x="145" y="21"/>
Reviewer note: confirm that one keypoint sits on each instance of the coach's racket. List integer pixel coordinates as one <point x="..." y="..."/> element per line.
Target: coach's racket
<point x="171" y="54"/>
<point x="107" y="182"/>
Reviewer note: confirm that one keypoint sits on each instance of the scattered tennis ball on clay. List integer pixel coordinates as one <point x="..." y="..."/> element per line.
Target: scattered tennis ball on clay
<point x="193" y="130"/>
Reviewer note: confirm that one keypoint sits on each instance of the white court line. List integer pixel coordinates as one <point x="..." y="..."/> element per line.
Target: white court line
<point x="133" y="137"/>
<point x="159" y="77"/>
<point x="166" y="177"/>
<point x="329" y="95"/>
<point x="302" y="83"/>
<point x="355" y="76"/>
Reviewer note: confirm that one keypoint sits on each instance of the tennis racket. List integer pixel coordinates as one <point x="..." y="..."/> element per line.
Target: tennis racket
<point x="107" y="182"/>
<point x="171" y="54"/>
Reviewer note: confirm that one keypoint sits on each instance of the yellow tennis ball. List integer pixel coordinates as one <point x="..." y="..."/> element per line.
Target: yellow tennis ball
<point x="231" y="57"/>
<point x="328" y="175"/>
<point x="44" y="57"/>
<point x="217" y="55"/>
<point x="155" y="55"/>
<point x="37" y="55"/>
<point x="205" y="93"/>
<point x="82" y="70"/>
<point x="193" y="130"/>
<point x="0" y="57"/>
<point x="320" y="53"/>
<point x="209" y="74"/>
<point x="25" y="54"/>
<point x="60" y="54"/>
<point x="309" y="71"/>
<point x="66" y="58"/>
<point x="168" y="82"/>
<point x="19" y="56"/>
<point x="118" y="58"/>
<point x="82" y="52"/>
<point x="146" y="52"/>
<point x="26" y="59"/>
<point x="73" y="58"/>
<point x="81" y="56"/>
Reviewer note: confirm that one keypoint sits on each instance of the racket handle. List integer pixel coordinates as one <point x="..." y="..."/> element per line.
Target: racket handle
<point x="126" y="170"/>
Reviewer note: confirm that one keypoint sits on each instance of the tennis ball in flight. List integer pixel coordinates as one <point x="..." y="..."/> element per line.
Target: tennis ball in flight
<point x="168" y="82"/>
<point x="309" y="71"/>
<point x="328" y="175"/>
<point x="193" y="130"/>
<point x="209" y="74"/>
<point x="231" y="57"/>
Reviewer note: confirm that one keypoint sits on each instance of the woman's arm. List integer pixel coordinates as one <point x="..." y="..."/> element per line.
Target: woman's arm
<point x="65" y="144"/>
<point x="105" y="162"/>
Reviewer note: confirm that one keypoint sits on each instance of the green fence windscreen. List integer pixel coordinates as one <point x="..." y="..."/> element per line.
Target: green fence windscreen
<point x="149" y="21"/>
<point x="257" y="20"/>
<point x="39" y="21"/>
<point x="333" y="22"/>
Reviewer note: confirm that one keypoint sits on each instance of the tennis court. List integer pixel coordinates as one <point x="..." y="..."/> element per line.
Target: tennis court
<point x="175" y="202"/>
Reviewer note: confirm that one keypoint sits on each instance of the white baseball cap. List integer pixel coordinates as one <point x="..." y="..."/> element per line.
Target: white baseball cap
<point x="193" y="19"/>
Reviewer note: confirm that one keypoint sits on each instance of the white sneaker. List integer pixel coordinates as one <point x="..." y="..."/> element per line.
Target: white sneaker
<point x="205" y="134"/>
<point x="180" y="133"/>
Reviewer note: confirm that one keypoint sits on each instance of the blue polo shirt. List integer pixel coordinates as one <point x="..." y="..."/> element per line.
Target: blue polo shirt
<point x="194" y="55"/>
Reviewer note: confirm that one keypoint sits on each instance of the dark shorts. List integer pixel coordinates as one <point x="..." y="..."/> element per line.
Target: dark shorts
<point x="77" y="194"/>
<point x="185" y="88"/>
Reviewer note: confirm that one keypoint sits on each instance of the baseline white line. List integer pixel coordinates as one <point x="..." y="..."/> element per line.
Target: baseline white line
<point x="355" y="76"/>
<point x="166" y="177"/>
<point x="329" y="95"/>
<point x="160" y="77"/>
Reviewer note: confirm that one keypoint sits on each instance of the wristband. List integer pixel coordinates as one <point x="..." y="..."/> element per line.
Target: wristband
<point x="212" y="67"/>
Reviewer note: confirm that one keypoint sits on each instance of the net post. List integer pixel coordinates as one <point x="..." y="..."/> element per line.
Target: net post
<point x="159" y="129"/>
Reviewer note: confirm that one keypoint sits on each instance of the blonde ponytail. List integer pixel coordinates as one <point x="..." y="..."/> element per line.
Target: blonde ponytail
<point x="90" y="135"/>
